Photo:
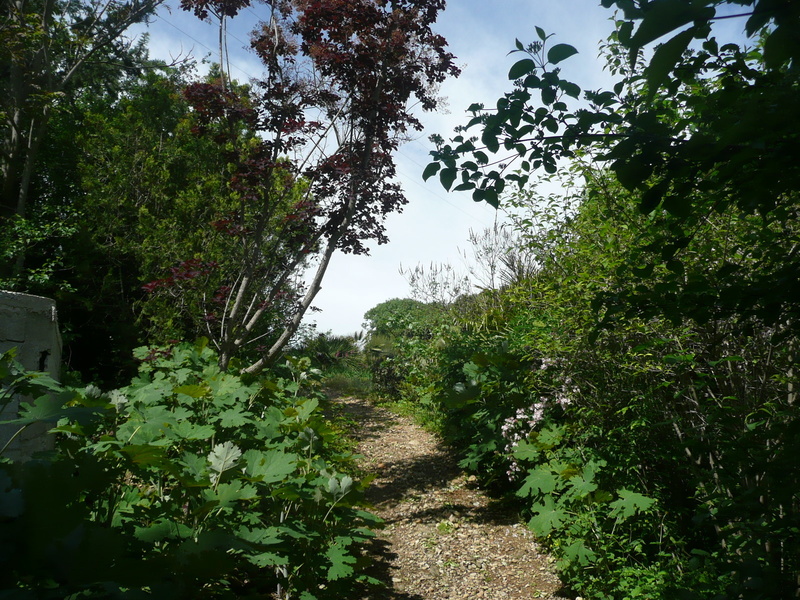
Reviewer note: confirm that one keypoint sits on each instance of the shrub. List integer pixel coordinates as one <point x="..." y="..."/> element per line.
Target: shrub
<point x="188" y="483"/>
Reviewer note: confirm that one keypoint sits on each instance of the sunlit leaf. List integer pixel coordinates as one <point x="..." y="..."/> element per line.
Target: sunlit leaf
<point x="223" y="457"/>
<point x="628" y="504"/>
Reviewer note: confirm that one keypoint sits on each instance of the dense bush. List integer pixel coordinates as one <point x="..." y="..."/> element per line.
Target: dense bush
<point x="654" y="456"/>
<point x="188" y="483"/>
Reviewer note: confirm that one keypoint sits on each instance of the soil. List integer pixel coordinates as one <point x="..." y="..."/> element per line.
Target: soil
<point x="443" y="538"/>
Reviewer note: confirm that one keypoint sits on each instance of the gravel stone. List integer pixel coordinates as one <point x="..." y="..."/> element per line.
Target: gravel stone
<point x="444" y="539"/>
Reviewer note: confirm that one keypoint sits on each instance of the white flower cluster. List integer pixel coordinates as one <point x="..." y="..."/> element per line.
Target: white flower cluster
<point x="520" y="426"/>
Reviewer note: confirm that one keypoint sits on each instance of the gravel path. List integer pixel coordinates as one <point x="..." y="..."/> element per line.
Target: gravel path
<point x="444" y="539"/>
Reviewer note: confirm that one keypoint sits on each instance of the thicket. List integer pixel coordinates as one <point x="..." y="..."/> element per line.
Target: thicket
<point x="655" y="458"/>
<point x="188" y="483"/>
<point x="637" y="390"/>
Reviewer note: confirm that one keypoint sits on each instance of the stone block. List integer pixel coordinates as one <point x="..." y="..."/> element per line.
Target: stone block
<point x="29" y="323"/>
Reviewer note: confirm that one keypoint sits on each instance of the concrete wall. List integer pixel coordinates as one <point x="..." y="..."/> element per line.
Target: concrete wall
<point x="31" y="324"/>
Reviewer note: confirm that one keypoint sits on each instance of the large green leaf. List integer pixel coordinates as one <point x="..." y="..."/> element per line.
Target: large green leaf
<point x="664" y="59"/>
<point x="264" y="536"/>
<point x="665" y="16"/>
<point x="340" y="558"/>
<point x="560" y="52"/>
<point x="223" y="457"/>
<point x="50" y="409"/>
<point x="234" y="417"/>
<point x="580" y="486"/>
<point x="447" y="177"/>
<point x="162" y="529"/>
<point x="550" y="437"/>
<point x="193" y="391"/>
<point x="269" y="466"/>
<point x="578" y="552"/>
<point x="539" y="481"/>
<point x="195" y="465"/>
<point x="187" y="430"/>
<point x="431" y="170"/>
<point x="521" y="68"/>
<point x="628" y="504"/>
<point x="546" y="517"/>
<point x="525" y="450"/>
<point x="226" y="494"/>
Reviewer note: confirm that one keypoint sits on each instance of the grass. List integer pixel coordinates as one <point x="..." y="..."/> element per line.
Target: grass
<point x="347" y="380"/>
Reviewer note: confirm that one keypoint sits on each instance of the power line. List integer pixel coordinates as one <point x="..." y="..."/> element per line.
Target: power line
<point x="211" y="50"/>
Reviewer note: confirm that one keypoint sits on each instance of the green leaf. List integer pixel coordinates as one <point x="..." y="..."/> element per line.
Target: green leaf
<point x="226" y="494"/>
<point x="195" y="465"/>
<point x="578" y="552"/>
<point x="187" y="430"/>
<point x="224" y="457"/>
<point x="264" y="536"/>
<point x="267" y="559"/>
<point x="50" y="409"/>
<point x="546" y="518"/>
<point x="193" y="391"/>
<point x="633" y="171"/>
<point x="521" y="68"/>
<point x="781" y="46"/>
<point x="340" y="559"/>
<point x="665" y="16"/>
<point x="677" y="205"/>
<point x="664" y="60"/>
<point x="550" y="437"/>
<point x="540" y="32"/>
<point x="560" y="52"/>
<point x="431" y="170"/>
<point x="539" y="481"/>
<point x="570" y="89"/>
<point x="161" y="530"/>
<point x="526" y="451"/>
<point x="492" y="129"/>
<point x="628" y="504"/>
<point x="234" y="417"/>
<point x="146" y="454"/>
<point x="652" y="197"/>
<point x="447" y="177"/>
<point x="580" y="486"/>
<point x="269" y="466"/>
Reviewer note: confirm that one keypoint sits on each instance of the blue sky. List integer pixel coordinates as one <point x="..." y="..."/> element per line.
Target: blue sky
<point x="435" y="224"/>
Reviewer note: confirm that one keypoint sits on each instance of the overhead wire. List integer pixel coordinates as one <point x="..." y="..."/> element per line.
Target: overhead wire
<point x="490" y="214"/>
<point x="212" y="51"/>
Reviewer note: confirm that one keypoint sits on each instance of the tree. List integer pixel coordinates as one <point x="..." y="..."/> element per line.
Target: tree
<point x="703" y="127"/>
<point x="46" y="46"/>
<point x="147" y="189"/>
<point x="402" y="317"/>
<point x="327" y="114"/>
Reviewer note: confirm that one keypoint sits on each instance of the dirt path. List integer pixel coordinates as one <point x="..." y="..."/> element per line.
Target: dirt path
<point x="443" y="538"/>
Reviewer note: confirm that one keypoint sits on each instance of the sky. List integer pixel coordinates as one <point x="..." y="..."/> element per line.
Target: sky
<point x="435" y="225"/>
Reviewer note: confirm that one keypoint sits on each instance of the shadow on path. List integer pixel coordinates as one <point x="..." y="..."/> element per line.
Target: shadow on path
<point x="383" y="570"/>
<point x="415" y="476"/>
